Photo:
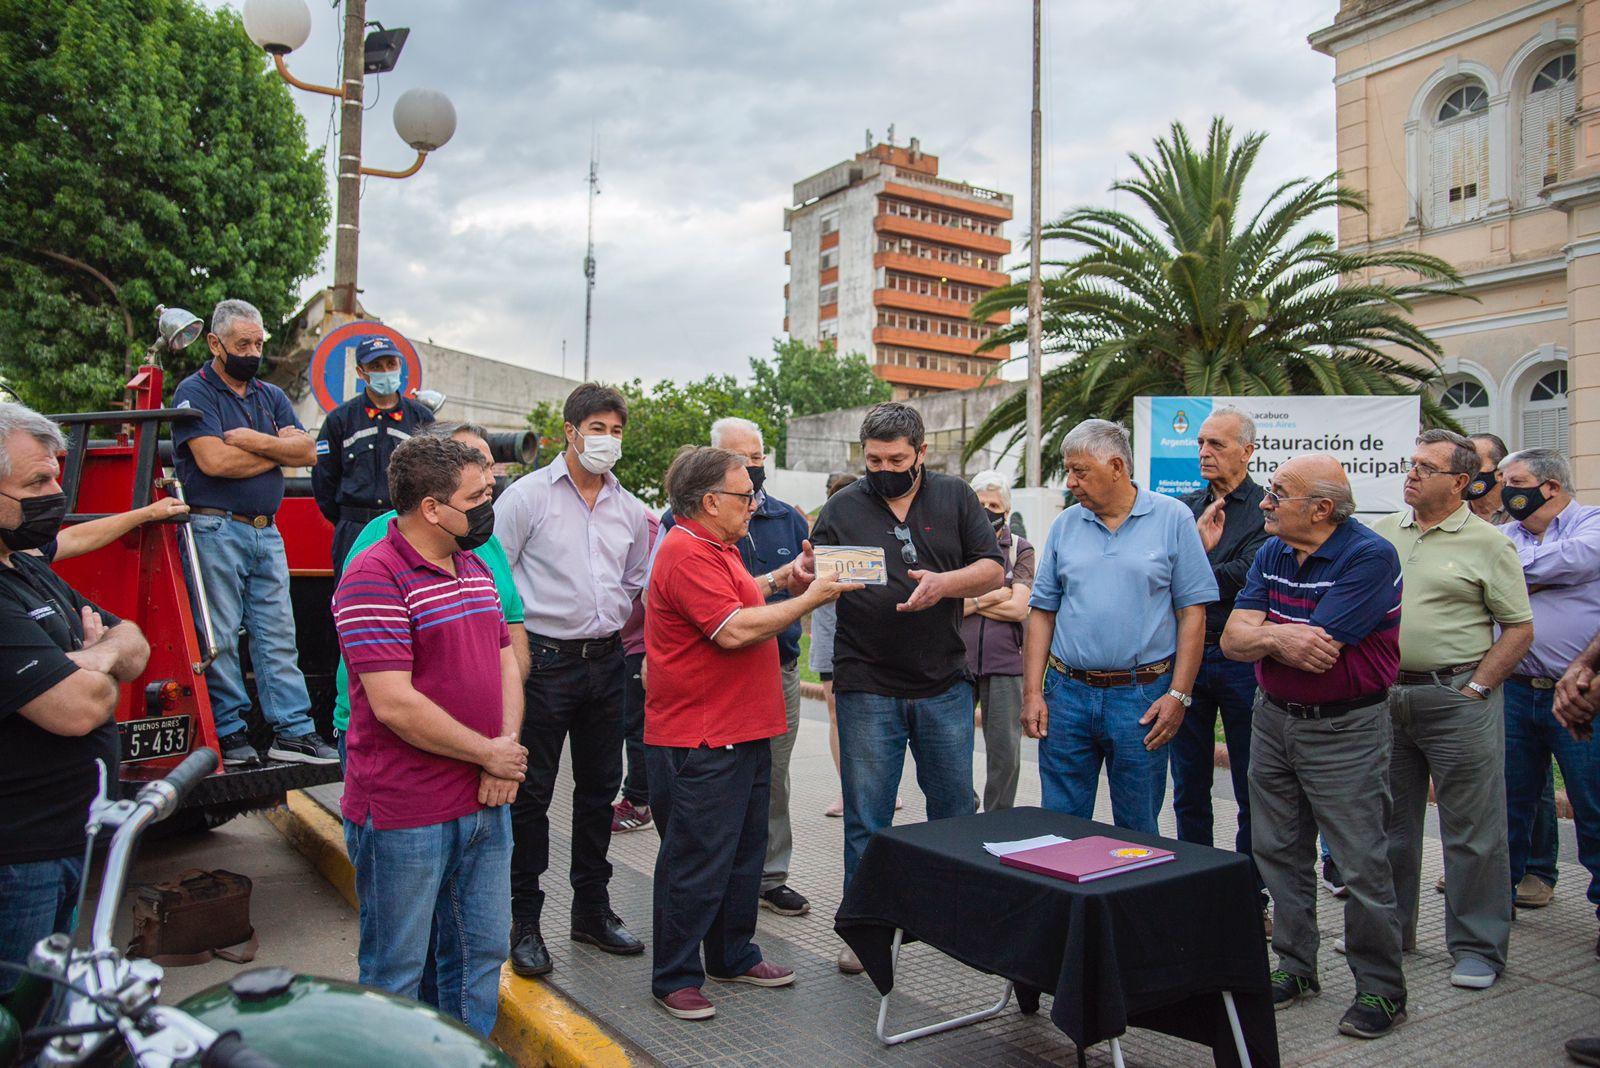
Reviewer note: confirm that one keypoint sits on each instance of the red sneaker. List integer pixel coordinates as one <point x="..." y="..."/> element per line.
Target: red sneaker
<point x="626" y="816"/>
<point x="688" y="1004"/>
<point x="764" y="974"/>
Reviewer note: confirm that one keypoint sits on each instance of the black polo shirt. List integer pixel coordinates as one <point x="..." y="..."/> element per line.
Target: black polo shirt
<point x="46" y="780"/>
<point x="1243" y="532"/>
<point x="904" y="654"/>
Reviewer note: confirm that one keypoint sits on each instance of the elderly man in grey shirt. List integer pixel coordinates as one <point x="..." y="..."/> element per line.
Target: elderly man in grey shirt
<point x="579" y="550"/>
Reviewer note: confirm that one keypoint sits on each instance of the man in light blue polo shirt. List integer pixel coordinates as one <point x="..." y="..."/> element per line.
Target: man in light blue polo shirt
<point x="1118" y="619"/>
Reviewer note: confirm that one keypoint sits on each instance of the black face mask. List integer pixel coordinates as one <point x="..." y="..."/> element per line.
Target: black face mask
<point x="998" y="521"/>
<point x="758" y="476"/>
<point x="1521" y="503"/>
<point x="241" y="368"/>
<point x="480" y="525"/>
<point x="1480" y="486"/>
<point x="41" y="521"/>
<point x="892" y="485"/>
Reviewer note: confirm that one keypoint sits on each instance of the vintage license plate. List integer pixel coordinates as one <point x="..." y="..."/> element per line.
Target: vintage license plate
<point x="150" y="739"/>
<point x="853" y="563"/>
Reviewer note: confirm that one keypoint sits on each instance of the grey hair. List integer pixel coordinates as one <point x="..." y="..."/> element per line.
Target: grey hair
<point x="892" y="421"/>
<point x="695" y="472"/>
<point x="993" y="480"/>
<point x="450" y="430"/>
<point x="1101" y="439"/>
<point x="1247" y="425"/>
<point x="1338" y="494"/>
<point x="1463" y="456"/>
<point x="1497" y="445"/>
<point x="1546" y="465"/>
<point x="720" y="429"/>
<point x="228" y="312"/>
<point x="19" y="418"/>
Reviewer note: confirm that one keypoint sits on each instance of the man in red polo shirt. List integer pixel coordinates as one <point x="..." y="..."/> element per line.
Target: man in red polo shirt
<point x="434" y="755"/>
<point x="713" y="702"/>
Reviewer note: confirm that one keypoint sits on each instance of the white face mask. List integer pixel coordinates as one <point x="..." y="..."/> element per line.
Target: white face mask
<point x="600" y="453"/>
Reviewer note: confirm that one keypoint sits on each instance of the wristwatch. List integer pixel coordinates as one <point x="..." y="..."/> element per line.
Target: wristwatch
<point x="1483" y="692"/>
<point x="1182" y="698"/>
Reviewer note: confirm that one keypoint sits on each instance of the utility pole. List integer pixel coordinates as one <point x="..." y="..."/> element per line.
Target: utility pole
<point x="588" y="260"/>
<point x="1035" y="289"/>
<point x="347" y="231"/>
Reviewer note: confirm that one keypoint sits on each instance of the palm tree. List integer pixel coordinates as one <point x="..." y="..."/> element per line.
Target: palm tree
<point x="1201" y="305"/>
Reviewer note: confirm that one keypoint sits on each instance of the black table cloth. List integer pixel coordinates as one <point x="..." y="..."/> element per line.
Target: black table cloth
<point x="1153" y="948"/>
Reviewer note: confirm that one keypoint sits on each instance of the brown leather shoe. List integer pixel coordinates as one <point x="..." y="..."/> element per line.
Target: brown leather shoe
<point x="1534" y="893"/>
<point x="849" y="963"/>
<point x="764" y="974"/>
<point x="688" y="1004"/>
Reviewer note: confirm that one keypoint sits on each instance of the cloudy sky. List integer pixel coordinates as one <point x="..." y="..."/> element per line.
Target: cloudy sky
<point x="707" y="111"/>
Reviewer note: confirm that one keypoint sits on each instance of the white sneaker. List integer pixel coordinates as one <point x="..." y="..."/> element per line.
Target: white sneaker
<point x="1473" y="974"/>
<point x="1338" y="945"/>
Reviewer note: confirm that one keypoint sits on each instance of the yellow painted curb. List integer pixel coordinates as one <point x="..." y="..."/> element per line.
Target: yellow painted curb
<point x="537" y="1025"/>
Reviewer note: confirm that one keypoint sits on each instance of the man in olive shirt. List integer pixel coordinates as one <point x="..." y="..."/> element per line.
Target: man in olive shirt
<point x="1461" y="577"/>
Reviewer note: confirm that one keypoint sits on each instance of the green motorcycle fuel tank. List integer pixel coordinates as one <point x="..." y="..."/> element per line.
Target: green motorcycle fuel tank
<point x="302" y="1020"/>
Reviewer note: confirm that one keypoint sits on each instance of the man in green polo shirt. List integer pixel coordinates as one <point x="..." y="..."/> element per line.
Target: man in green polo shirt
<point x="489" y="552"/>
<point x="1461" y="579"/>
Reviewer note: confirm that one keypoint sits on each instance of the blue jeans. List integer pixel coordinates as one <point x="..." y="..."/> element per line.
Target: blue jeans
<point x="247" y="583"/>
<point x="1546" y="843"/>
<point x="36" y="901"/>
<point x="1090" y="725"/>
<point x="873" y="733"/>
<point x="1532" y="737"/>
<point x="446" y="881"/>
<point x="1227" y="688"/>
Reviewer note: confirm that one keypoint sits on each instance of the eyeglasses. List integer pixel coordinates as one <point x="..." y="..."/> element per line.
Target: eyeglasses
<point x="908" y="551"/>
<point x="1274" y="498"/>
<point x="1411" y="467"/>
<point x="749" y="498"/>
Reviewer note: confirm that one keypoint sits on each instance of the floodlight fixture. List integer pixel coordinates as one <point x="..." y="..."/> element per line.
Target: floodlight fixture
<point x="382" y="49"/>
<point x="178" y="328"/>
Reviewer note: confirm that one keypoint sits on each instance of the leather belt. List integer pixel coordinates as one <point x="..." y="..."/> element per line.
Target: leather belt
<point x="1428" y="678"/>
<point x="583" y="648"/>
<point x="1538" y="682"/>
<point x="1325" y="710"/>
<point x="359" y="515"/>
<point x="260" y="522"/>
<point x="1107" y="679"/>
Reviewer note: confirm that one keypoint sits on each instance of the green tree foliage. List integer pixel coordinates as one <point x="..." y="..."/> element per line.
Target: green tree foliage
<point x="801" y="380"/>
<point x="148" y="155"/>
<point x="1211" y="301"/>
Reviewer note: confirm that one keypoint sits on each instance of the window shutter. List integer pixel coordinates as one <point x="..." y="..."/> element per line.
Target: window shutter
<point x="1472" y="420"/>
<point x="1547" y="138"/>
<point x="1460" y="169"/>
<point x="1545" y="428"/>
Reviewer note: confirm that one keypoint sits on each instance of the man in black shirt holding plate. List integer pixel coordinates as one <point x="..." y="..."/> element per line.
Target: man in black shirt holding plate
<point x="62" y="662"/>
<point x="899" y="664"/>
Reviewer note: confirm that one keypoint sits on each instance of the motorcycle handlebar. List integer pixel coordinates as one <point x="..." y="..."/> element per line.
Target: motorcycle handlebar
<point x="164" y="795"/>
<point x="229" y="1051"/>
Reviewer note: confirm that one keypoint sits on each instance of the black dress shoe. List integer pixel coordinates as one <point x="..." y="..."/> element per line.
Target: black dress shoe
<point x="529" y="958"/>
<point x="606" y="932"/>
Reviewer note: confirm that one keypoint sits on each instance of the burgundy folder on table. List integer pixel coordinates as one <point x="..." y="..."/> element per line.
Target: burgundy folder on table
<point x="1087" y="859"/>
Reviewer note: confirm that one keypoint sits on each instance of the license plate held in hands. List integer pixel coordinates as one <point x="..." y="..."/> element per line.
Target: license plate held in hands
<point x="151" y="739"/>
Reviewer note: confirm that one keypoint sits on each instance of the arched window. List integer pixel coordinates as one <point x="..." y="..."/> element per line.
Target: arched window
<point x="1459" y="156"/>
<point x="1468" y="402"/>
<point x="1544" y="412"/>
<point x="1547" y="132"/>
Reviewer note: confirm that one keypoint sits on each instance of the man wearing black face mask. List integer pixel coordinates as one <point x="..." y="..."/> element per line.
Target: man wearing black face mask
<point x="772" y="544"/>
<point x="231" y="462"/>
<point x="1483" y="494"/>
<point x="64" y="661"/>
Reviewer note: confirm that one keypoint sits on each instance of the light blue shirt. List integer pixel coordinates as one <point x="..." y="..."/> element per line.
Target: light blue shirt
<point x="1114" y="594"/>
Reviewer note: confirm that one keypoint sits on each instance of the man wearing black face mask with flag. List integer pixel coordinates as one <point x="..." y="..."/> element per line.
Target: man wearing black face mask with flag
<point x="899" y="663"/>
<point x="231" y="462"/>
<point x="64" y="661"/>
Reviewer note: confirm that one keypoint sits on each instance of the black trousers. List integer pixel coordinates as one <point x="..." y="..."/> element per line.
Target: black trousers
<point x="710" y="807"/>
<point x="636" y="783"/>
<point x="577" y="701"/>
<point x="345" y="533"/>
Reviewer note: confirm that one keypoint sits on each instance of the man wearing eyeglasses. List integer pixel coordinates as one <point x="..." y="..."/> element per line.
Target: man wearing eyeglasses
<point x="899" y="663"/>
<point x="1319" y="616"/>
<point x="1462" y="579"/>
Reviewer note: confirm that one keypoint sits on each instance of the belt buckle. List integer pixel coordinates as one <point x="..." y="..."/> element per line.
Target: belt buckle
<point x="1543" y="684"/>
<point x="260" y="522"/>
<point x="583" y="650"/>
<point x="1299" y="710"/>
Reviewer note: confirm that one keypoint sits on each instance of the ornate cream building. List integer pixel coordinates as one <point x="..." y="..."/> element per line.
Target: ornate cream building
<point x="1473" y="126"/>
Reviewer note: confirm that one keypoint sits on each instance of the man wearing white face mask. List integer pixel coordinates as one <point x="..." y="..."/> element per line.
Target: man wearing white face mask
<point x="579" y="550"/>
<point x="351" y="478"/>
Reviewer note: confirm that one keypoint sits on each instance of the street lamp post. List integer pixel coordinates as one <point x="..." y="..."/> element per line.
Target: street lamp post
<point x="424" y="118"/>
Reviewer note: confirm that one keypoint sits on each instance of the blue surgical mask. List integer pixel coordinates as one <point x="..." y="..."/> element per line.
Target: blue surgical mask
<point x="383" y="383"/>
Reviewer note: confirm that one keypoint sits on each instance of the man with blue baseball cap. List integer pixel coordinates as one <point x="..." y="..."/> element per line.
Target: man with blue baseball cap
<point x="351" y="479"/>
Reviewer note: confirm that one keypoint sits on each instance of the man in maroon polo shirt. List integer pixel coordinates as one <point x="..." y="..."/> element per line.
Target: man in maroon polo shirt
<point x="713" y="702"/>
<point x="434" y="757"/>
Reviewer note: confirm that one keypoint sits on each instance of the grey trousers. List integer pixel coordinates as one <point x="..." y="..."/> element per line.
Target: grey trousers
<point x="1000" y="697"/>
<point x="1333" y="774"/>
<point x="1460" y="742"/>
<point x="780" y="836"/>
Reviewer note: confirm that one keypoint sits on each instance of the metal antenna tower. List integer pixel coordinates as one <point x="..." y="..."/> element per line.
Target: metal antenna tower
<point x="588" y="259"/>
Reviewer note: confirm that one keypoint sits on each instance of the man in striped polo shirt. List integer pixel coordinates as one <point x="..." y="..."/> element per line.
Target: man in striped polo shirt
<point x="1319" y="616"/>
<point x="434" y="757"/>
